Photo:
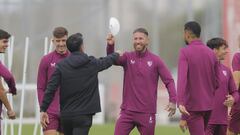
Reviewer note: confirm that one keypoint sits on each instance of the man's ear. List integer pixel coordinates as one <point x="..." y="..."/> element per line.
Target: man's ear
<point x="188" y="34"/>
<point x="148" y="41"/>
<point x="82" y="48"/>
<point x="215" y="50"/>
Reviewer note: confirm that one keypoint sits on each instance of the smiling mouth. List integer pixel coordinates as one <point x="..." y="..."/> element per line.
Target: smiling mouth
<point x="138" y="45"/>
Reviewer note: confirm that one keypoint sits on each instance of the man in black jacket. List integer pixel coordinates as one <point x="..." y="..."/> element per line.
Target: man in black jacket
<point x="77" y="76"/>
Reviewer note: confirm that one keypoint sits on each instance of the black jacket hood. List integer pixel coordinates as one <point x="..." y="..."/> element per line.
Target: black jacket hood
<point x="77" y="59"/>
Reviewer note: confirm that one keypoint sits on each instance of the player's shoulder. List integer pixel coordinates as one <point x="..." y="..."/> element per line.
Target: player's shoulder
<point x="155" y="58"/>
<point x="129" y="53"/>
<point x="236" y="55"/>
<point x="1" y="64"/>
<point x="47" y="58"/>
<point x="93" y="59"/>
<point x="184" y="49"/>
<point x="153" y="55"/>
<point x="209" y="50"/>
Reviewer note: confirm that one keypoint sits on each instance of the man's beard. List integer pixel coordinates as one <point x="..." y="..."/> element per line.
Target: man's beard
<point x="142" y="50"/>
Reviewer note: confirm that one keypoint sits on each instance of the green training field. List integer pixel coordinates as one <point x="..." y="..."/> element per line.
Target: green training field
<point x="108" y="129"/>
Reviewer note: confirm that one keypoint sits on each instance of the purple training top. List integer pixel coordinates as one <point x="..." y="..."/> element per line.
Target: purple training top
<point x="45" y="70"/>
<point x="197" y="77"/>
<point x="141" y="74"/>
<point x="226" y="86"/>
<point x="236" y="67"/>
<point x="9" y="79"/>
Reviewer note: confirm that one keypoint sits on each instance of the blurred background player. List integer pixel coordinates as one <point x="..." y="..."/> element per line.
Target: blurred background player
<point x="234" y="124"/>
<point x="8" y="77"/>
<point x="226" y="95"/>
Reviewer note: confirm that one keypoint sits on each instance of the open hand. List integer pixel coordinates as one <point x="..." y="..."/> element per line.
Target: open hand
<point x="44" y="119"/>
<point x="229" y="101"/>
<point x="183" y="110"/>
<point x="110" y="39"/>
<point x="183" y="125"/>
<point x="11" y="114"/>
<point x="171" y="108"/>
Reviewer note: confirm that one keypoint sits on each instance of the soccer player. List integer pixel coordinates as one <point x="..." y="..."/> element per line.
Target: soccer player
<point x="142" y="70"/>
<point x="45" y="71"/>
<point x="198" y="79"/>
<point x="234" y="125"/>
<point x="77" y="76"/>
<point x="8" y="77"/>
<point x="226" y="95"/>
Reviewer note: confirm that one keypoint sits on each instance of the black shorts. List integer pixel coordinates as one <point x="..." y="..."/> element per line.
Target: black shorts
<point x="77" y="125"/>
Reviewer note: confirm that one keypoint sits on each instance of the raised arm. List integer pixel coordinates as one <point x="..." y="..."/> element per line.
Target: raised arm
<point x="122" y="60"/>
<point x="110" y="44"/>
<point x="105" y="62"/>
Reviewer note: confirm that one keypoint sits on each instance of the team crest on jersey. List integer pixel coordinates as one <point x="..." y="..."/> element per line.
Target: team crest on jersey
<point x="149" y="63"/>
<point x="132" y="61"/>
<point x="150" y="119"/>
<point x="53" y="64"/>
<point x="224" y="72"/>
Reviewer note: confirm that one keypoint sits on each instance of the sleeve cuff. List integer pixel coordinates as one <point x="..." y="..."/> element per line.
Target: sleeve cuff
<point x="173" y="100"/>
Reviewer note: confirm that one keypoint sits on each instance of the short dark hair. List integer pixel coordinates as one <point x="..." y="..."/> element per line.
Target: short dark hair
<point x="60" y="32"/>
<point x="4" y="34"/>
<point x="141" y="30"/>
<point x="216" y="43"/>
<point x="74" y="42"/>
<point x="194" y="28"/>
